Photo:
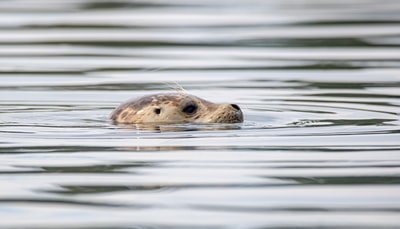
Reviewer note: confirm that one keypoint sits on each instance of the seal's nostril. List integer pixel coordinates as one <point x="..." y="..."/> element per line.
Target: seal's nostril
<point x="236" y="107"/>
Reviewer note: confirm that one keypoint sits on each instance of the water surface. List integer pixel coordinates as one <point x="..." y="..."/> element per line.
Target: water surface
<point x="318" y="83"/>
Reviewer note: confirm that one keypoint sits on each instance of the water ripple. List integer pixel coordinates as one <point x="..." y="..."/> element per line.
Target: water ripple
<point x="317" y="82"/>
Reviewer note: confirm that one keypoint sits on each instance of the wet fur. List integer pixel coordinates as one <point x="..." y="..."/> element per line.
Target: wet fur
<point x="141" y="110"/>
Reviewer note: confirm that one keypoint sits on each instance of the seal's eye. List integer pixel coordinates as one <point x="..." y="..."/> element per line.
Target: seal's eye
<point x="157" y="110"/>
<point x="190" y="109"/>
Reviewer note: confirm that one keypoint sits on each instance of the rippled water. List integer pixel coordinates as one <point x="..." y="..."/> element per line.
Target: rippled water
<point x="318" y="82"/>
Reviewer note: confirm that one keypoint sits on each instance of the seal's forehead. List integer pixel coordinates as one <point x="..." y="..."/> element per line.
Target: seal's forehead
<point x="157" y="99"/>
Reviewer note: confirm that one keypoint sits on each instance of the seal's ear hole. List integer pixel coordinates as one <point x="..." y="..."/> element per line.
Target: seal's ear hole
<point x="157" y="110"/>
<point x="190" y="109"/>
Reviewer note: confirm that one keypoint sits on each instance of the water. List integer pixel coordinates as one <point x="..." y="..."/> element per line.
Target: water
<point x="318" y="82"/>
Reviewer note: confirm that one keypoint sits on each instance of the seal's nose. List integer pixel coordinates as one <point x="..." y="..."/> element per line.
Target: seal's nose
<point x="236" y="107"/>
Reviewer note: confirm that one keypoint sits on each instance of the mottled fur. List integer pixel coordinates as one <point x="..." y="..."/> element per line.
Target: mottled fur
<point x="168" y="108"/>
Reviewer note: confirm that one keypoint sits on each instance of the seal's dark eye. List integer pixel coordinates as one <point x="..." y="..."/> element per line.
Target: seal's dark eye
<point x="157" y="110"/>
<point x="190" y="109"/>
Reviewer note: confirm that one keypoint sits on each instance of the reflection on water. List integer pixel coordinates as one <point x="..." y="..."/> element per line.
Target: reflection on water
<point x="158" y="128"/>
<point x="318" y="82"/>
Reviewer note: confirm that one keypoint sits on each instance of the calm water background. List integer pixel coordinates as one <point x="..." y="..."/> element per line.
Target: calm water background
<point x="318" y="82"/>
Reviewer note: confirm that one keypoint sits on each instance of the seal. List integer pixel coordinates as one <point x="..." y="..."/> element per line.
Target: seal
<point x="175" y="108"/>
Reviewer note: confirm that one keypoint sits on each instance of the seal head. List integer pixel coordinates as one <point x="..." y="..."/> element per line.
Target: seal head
<point x="175" y="108"/>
